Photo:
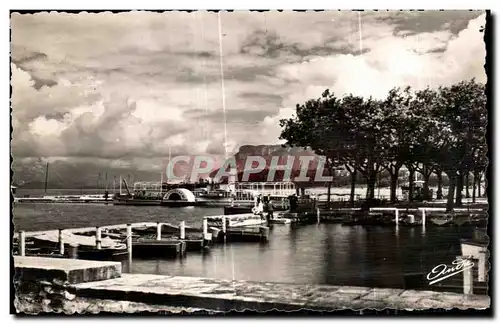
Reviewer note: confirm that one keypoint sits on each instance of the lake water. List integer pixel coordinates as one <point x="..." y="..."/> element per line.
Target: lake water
<point x="312" y="254"/>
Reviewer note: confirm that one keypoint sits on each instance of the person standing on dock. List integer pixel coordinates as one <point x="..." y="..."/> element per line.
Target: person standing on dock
<point x="293" y="203"/>
<point x="270" y="209"/>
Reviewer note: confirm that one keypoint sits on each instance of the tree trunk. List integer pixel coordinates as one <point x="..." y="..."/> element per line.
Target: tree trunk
<point x="467" y="193"/>
<point x="451" y="191"/>
<point x="394" y="187"/>
<point x="371" y="181"/>
<point x="459" y="187"/>
<point x="474" y="176"/>
<point x="439" y="193"/>
<point x="411" y="181"/>
<point x="479" y="176"/>
<point x="353" y="186"/>
<point x="425" y="189"/>
<point x="329" y="192"/>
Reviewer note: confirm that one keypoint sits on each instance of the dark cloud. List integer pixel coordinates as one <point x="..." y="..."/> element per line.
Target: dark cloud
<point x="191" y="75"/>
<point x="262" y="97"/>
<point x="39" y="82"/>
<point x="21" y="55"/>
<point x="201" y="54"/>
<point x="430" y="20"/>
<point x="254" y="114"/>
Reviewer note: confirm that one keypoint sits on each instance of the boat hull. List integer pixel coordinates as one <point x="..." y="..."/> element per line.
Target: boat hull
<point x="137" y="202"/>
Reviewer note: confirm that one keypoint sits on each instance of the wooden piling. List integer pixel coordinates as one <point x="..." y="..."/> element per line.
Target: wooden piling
<point x="468" y="280"/>
<point x="396" y="211"/>
<point x="158" y="231"/>
<point x="73" y="251"/>
<point x="205" y="228"/>
<point x="481" y="271"/>
<point x="61" y="242"/>
<point x="22" y="243"/>
<point x="129" y="239"/>
<point x="423" y="217"/>
<point x="224" y="232"/>
<point x="98" y="237"/>
<point x="318" y="215"/>
<point x="182" y="226"/>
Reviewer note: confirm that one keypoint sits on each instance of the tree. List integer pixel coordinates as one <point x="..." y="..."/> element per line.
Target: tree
<point x="460" y="116"/>
<point x="317" y="125"/>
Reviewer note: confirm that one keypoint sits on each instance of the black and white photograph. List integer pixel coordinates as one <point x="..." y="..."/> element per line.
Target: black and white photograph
<point x="207" y="162"/>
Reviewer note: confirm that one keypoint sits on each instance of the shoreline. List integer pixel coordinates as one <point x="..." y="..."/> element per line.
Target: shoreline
<point x="70" y="286"/>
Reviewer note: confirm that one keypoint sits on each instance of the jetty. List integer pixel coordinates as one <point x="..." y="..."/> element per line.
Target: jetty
<point x="145" y="239"/>
<point x="71" y="286"/>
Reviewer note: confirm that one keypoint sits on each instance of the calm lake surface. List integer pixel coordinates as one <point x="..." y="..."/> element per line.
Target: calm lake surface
<point x="314" y="254"/>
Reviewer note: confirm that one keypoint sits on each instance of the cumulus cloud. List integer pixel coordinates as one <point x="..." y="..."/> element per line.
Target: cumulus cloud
<point x="132" y="88"/>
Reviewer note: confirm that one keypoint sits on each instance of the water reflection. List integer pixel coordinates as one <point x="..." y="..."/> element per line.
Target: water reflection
<point x="320" y="253"/>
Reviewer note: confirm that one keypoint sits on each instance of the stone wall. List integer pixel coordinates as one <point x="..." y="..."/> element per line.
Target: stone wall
<point x="76" y="286"/>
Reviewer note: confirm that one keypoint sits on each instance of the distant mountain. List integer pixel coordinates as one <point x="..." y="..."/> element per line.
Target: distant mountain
<point x="73" y="175"/>
<point x="63" y="174"/>
<point x="268" y="152"/>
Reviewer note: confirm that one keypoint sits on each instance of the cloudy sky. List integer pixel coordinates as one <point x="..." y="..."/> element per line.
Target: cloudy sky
<point x="123" y="89"/>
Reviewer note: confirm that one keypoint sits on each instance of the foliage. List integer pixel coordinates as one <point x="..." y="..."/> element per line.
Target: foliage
<point x="440" y="129"/>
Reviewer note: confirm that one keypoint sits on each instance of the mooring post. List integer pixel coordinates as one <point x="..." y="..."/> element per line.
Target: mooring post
<point x="129" y="240"/>
<point x="481" y="271"/>
<point x="73" y="251"/>
<point x="158" y="231"/>
<point x="22" y="243"/>
<point x="183" y="230"/>
<point x="224" y="227"/>
<point x="468" y="280"/>
<point x="318" y="215"/>
<point x="98" y="237"/>
<point x="396" y="211"/>
<point x="205" y="227"/>
<point x="423" y="217"/>
<point x="61" y="242"/>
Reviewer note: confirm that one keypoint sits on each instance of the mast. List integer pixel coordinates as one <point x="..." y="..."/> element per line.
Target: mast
<point x="98" y="182"/>
<point x="46" y="176"/>
<point x="161" y="183"/>
<point x="114" y="184"/>
<point x="170" y="171"/>
<point x="106" y="181"/>
<point x="120" y="185"/>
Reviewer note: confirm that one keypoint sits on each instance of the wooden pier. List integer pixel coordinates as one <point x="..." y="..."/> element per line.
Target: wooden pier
<point x="143" y="239"/>
<point x="92" y="242"/>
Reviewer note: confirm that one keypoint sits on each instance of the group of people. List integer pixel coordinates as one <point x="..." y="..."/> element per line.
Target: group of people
<point x="264" y="204"/>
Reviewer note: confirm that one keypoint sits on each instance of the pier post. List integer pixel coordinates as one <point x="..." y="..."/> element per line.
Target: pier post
<point x="129" y="239"/>
<point x="481" y="271"/>
<point x="158" y="231"/>
<point x="98" y="237"/>
<point x="61" y="242"/>
<point x="423" y="217"/>
<point x="318" y="215"/>
<point x="396" y="211"/>
<point x="468" y="279"/>
<point x="73" y="251"/>
<point x="182" y="226"/>
<point x="205" y="228"/>
<point x="22" y="243"/>
<point x="224" y="227"/>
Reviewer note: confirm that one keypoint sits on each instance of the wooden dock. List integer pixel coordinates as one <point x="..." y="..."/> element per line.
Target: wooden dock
<point x="144" y="239"/>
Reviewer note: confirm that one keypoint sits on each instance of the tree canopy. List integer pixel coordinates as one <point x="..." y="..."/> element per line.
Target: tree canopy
<point x="430" y="130"/>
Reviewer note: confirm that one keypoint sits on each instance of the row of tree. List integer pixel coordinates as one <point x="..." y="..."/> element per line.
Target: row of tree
<point x="428" y="131"/>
